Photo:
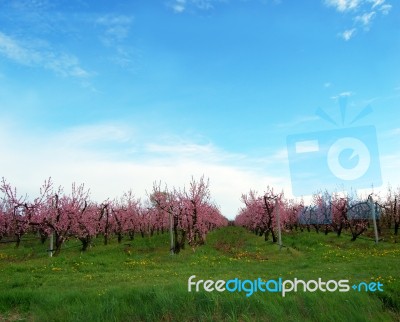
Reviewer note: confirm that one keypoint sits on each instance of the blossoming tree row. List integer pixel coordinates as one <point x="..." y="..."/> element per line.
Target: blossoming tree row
<point x="327" y="212"/>
<point x="189" y="213"/>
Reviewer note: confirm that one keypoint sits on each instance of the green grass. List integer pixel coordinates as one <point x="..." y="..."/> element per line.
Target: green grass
<point x="142" y="282"/>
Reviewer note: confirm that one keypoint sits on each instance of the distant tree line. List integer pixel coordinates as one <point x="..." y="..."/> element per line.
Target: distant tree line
<point x="328" y="212"/>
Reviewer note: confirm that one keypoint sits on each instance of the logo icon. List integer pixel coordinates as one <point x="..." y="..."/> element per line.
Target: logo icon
<point x="341" y="159"/>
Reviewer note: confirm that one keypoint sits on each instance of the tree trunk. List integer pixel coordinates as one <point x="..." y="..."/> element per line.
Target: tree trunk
<point x="183" y="240"/>
<point x="19" y="237"/>
<point x="339" y="231"/>
<point x="274" y="238"/>
<point x="43" y="237"/>
<point x="59" y="241"/>
<point x="85" y="243"/>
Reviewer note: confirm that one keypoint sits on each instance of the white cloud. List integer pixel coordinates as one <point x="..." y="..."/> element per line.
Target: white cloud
<point x="366" y="18"/>
<point x="64" y="65"/>
<point x="346" y="94"/>
<point x="29" y="5"/>
<point x="11" y="49"/>
<point x="111" y="158"/>
<point x="180" y="6"/>
<point x="343" y="5"/>
<point x="385" y="9"/>
<point x="361" y="13"/>
<point x="117" y="27"/>
<point x="30" y="54"/>
<point x="115" y="36"/>
<point x="91" y="133"/>
<point x="203" y="4"/>
<point x="348" y="34"/>
<point x="327" y="84"/>
<point x="342" y="94"/>
<point x="376" y="3"/>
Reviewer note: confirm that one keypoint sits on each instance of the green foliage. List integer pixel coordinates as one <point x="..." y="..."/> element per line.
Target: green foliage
<point x="140" y="281"/>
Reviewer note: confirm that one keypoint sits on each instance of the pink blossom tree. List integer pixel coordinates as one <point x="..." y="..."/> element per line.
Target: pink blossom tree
<point x="85" y="223"/>
<point x="65" y="212"/>
<point x="190" y="212"/>
<point x="15" y="210"/>
<point x="18" y="211"/>
<point x="339" y="213"/>
<point x="4" y="221"/>
<point x="291" y="211"/>
<point x="169" y="205"/>
<point x="350" y="213"/>
<point x="126" y="215"/>
<point x="358" y="216"/>
<point x="260" y="212"/>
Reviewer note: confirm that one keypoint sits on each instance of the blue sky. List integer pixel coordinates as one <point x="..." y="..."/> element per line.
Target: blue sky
<point x="120" y="94"/>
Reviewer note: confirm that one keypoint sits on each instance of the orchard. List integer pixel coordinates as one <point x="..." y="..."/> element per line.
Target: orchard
<point x="188" y="214"/>
<point x="327" y="212"/>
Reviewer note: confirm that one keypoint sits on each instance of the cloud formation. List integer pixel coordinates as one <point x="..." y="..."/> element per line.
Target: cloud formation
<point x="30" y="54"/>
<point x="343" y="5"/>
<point x="348" y="34"/>
<point x="181" y="6"/>
<point x="365" y="19"/>
<point x="111" y="158"/>
<point x="116" y="30"/>
<point x="361" y="13"/>
<point x="178" y="6"/>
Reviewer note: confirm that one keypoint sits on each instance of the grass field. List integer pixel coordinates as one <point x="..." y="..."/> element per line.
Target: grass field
<point x="142" y="282"/>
